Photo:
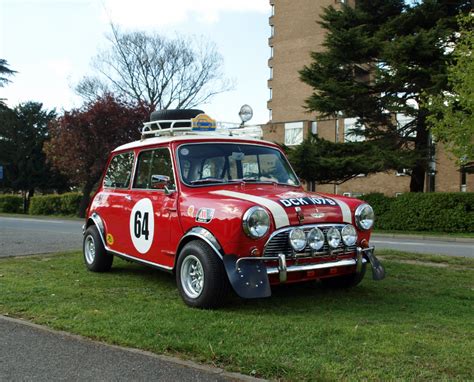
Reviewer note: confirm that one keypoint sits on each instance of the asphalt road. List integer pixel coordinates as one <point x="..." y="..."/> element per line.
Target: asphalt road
<point x="32" y="353"/>
<point x="25" y="236"/>
<point x="464" y="248"/>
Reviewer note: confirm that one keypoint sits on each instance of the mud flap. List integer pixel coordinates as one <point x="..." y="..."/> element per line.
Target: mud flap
<point x="250" y="279"/>
<point x="378" y="271"/>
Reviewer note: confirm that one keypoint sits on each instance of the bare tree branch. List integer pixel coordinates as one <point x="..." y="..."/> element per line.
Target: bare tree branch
<point x="156" y="71"/>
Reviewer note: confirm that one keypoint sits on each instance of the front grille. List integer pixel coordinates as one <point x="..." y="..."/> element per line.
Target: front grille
<point x="280" y="244"/>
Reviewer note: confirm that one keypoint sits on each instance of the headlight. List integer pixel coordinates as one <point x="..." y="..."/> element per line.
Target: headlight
<point x="297" y="239"/>
<point x="364" y="217"/>
<point x="316" y="239"/>
<point x="349" y="235"/>
<point x="334" y="237"/>
<point x="256" y="222"/>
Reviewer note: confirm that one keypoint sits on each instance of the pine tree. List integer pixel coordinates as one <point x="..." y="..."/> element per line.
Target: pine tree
<point x="383" y="58"/>
<point x="5" y="71"/>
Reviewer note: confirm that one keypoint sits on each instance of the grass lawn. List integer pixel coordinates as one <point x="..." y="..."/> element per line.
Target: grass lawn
<point x="416" y="324"/>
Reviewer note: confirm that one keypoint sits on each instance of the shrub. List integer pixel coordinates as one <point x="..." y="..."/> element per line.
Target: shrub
<point x="11" y="203"/>
<point x="436" y="212"/>
<point x="64" y="204"/>
<point x="379" y="202"/>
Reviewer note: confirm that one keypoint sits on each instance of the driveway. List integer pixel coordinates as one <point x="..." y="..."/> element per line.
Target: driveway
<point x="26" y="236"/>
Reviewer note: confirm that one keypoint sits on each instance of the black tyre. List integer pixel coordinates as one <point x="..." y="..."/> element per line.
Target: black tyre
<point x="346" y="281"/>
<point x="175" y="114"/>
<point x="201" y="277"/>
<point x="95" y="256"/>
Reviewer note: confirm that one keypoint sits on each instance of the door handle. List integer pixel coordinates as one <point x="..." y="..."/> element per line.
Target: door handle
<point x="128" y="197"/>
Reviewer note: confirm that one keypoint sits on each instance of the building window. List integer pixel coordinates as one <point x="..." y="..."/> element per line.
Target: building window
<point x="293" y="133"/>
<point x="270" y="114"/>
<point x="271" y="93"/>
<point x="271" y="52"/>
<point x="272" y="28"/>
<point x="403" y="172"/>
<point x="271" y="72"/>
<point x="463" y="180"/>
<point x="350" y="125"/>
<point x="273" y="9"/>
<point x="314" y="128"/>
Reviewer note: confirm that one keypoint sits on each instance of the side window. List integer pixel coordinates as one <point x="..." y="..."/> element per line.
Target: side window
<point x="119" y="172"/>
<point x="154" y="164"/>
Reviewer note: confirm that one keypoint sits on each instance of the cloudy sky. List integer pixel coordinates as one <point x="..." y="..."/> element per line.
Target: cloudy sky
<point x="50" y="43"/>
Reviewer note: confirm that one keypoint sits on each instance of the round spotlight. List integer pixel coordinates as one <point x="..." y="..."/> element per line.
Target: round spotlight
<point x="297" y="239"/>
<point x="245" y="113"/>
<point x="349" y="235"/>
<point x="334" y="237"/>
<point x="316" y="239"/>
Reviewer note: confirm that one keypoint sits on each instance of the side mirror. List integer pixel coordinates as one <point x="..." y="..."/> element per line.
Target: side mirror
<point x="161" y="182"/>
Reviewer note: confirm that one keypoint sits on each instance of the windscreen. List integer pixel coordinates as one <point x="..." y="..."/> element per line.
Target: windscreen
<point x="209" y="163"/>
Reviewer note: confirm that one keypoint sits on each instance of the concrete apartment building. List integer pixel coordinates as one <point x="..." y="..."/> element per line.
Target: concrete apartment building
<point x="294" y="35"/>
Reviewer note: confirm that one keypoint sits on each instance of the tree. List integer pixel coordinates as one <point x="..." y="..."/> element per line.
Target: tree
<point x="319" y="160"/>
<point x="82" y="139"/>
<point x="23" y="132"/>
<point x="383" y="58"/>
<point x="156" y="71"/>
<point x="452" y="115"/>
<point x="5" y="71"/>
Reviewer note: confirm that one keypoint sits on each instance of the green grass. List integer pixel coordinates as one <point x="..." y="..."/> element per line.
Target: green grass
<point x="416" y="324"/>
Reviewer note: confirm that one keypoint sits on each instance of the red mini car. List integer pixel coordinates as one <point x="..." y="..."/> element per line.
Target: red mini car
<point x="222" y="210"/>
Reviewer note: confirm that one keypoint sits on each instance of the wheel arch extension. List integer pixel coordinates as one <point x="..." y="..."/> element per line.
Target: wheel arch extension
<point x="96" y="220"/>
<point x="203" y="234"/>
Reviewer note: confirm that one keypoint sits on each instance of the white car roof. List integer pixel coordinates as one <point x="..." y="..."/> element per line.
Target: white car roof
<point x="166" y="139"/>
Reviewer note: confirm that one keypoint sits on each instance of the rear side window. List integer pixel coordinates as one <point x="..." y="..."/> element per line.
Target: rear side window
<point x="120" y="171"/>
<point x="154" y="163"/>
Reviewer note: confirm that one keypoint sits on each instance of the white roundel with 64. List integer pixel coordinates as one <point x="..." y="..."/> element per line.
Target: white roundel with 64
<point x="142" y="225"/>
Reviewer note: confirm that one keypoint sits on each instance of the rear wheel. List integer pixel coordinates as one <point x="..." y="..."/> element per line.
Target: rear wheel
<point x="95" y="256"/>
<point x="346" y="281"/>
<point x="201" y="277"/>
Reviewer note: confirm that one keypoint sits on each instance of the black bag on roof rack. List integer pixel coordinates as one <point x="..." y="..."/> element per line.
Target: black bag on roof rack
<point x="173" y="114"/>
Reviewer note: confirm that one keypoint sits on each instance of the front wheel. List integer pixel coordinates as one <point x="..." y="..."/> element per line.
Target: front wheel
<point x="201" y="277"/>
<point x="95" y="256"/>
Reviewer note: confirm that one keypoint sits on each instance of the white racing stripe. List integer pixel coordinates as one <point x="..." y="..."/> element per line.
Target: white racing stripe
<point x="279" y="214"/>
<point x="346" y="211"/>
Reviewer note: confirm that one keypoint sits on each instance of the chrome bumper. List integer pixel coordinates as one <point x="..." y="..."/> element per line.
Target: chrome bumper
<point x="283" y="269"/>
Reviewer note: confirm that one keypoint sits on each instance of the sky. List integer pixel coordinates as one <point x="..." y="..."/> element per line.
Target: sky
<point x="51" y="43"/>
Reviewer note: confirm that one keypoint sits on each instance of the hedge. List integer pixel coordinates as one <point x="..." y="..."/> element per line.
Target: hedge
<point x="11" y="203"/>
<point x="64" y="204"/>
<point x="435" y="212"/>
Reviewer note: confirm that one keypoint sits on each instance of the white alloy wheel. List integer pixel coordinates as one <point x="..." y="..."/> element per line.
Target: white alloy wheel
<point x="89" y="249"/>
<point x="192" y="276"/>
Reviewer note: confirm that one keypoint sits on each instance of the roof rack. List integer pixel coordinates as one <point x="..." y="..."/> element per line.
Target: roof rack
<point x="188" y="127"/>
